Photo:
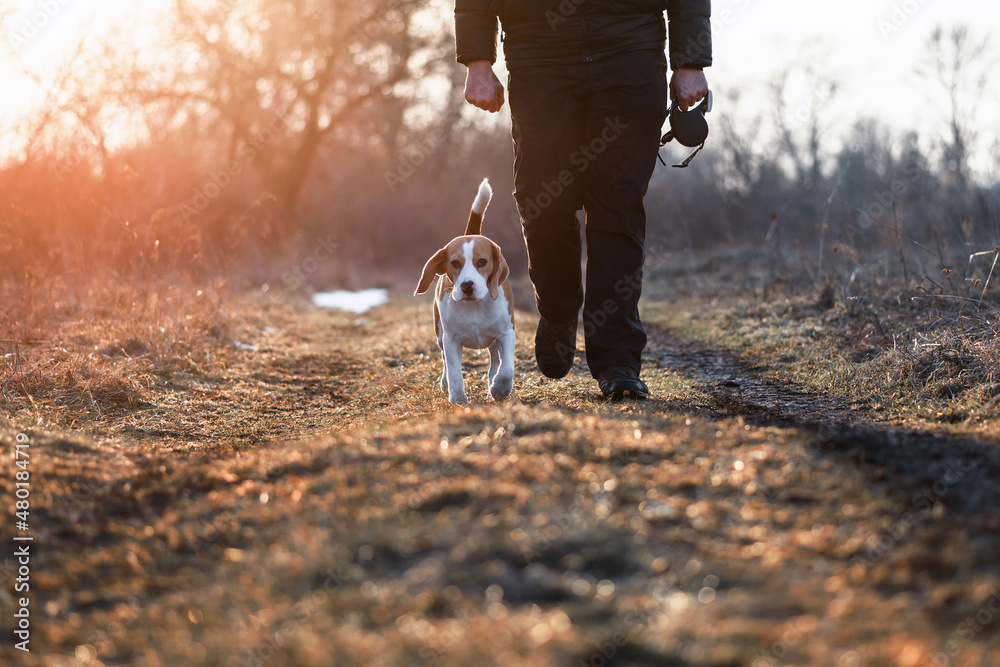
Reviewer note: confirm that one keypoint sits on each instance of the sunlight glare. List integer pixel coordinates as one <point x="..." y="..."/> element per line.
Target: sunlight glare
<point x="42" y="40"/>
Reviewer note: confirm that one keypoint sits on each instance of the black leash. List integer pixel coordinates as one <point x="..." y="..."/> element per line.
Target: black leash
<point x="689" y="128"/>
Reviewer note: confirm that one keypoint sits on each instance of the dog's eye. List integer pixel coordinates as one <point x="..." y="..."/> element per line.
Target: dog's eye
<point x="457" y="264"/>
<point x="481" y="262"/>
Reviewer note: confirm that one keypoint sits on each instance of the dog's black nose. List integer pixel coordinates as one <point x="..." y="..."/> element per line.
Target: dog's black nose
<point x="468" y="287"/>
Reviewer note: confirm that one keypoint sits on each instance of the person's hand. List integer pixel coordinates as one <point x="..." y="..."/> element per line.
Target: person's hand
<point x="482" y="87"/>
<point x="688" y="86"/>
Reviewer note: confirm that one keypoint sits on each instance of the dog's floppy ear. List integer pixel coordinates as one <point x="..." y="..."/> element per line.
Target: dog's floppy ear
<point x="434" y="266"/>
<point x="499" y="273"/>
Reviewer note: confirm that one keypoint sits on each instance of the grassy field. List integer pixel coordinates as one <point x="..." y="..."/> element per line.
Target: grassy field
<point x="242" y="479"/>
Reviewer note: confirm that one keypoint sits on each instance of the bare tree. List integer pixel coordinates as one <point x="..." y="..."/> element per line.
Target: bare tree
<point x="801" y="122"/>
<point x="962" y="66"/>
<point x="310" y="69"/>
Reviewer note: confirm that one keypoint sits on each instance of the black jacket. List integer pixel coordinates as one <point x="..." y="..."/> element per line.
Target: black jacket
<point x="543" y="32"/>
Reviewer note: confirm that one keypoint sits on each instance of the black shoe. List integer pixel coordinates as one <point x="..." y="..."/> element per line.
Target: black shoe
<point x="618" y="382"/>
<point x="555" y="346"/>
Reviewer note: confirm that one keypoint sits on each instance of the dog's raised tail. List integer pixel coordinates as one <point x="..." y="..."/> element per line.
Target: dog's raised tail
<point x="475" y="224"/>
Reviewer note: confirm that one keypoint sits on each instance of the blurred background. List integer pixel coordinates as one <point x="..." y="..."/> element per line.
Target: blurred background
<point x="311" y="145"/>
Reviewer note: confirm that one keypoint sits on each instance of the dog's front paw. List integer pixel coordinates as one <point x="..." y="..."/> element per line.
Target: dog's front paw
<point x="457" y="397"/>
<point x="501" y="387"/>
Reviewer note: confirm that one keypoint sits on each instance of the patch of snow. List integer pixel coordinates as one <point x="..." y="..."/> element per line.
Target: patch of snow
<point x="353" y="302"/>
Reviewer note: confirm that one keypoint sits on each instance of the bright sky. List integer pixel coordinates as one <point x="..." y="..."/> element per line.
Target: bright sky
<point x="869" y="46"/>
<point x="38" y="36"/>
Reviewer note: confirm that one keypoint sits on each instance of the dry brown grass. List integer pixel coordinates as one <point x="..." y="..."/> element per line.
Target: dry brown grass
<point x="923" y="361"/>
<point x="91" y="358"/>
<point x="315" y="500"/>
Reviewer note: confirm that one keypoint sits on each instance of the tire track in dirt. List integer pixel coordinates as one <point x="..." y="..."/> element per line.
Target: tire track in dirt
<point x="914" y="456"/>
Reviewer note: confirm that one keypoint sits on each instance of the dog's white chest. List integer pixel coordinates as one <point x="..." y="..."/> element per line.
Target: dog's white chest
<point x="476" y="324"/>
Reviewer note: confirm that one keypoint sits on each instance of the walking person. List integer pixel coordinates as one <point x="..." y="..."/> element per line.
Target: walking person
<point x="588" y="97"/>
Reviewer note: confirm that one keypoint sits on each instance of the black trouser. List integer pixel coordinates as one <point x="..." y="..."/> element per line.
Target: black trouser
<point x="586" y="135"/>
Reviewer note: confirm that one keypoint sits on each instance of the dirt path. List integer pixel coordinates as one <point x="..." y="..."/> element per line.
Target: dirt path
<point x="912" y="455"/>
<point x="310" y="498"/>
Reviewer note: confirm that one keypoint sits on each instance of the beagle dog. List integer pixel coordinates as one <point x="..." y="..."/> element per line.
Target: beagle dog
<point x="473" y="304"/>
